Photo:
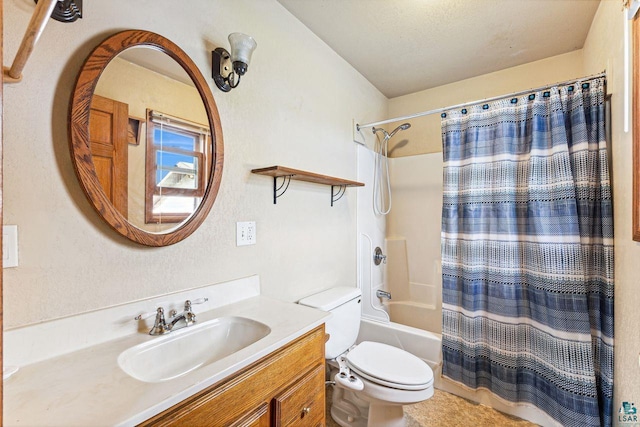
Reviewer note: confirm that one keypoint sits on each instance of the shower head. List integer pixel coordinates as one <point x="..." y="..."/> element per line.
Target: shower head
<point x="403" y="126"/>
<point x="387" y="135"/>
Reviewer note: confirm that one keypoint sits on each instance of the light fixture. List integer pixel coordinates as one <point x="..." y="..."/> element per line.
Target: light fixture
<point x="229" y="68"/>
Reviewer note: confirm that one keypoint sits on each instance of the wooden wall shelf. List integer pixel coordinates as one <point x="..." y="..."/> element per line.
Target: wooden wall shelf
<point x="287" y="174"/>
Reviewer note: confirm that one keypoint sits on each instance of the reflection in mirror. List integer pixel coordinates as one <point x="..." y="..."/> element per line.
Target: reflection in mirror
<point x="151" y="84"/>
<point x="146" y="139"/>
<point x="177" y="169"/>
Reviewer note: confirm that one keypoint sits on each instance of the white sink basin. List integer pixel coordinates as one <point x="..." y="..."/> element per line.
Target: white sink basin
<point x="184" y="350"/>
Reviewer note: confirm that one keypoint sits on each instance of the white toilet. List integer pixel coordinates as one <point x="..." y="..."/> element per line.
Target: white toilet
<point x="373" y="380"/>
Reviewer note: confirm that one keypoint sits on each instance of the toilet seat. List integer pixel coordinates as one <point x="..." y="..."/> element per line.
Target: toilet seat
<point x="389" y="366"/>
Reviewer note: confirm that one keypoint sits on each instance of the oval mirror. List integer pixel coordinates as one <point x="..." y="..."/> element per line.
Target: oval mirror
<point x="145" y="138"/>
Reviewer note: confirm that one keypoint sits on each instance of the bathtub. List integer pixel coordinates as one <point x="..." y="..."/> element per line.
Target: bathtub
<point x="424" y="344"/>
<point x="415" y="314"/>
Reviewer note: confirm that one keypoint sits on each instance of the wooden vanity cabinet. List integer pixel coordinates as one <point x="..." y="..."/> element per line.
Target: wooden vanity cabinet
<point x="302" y="404"/>
<point x="285" y="388"/>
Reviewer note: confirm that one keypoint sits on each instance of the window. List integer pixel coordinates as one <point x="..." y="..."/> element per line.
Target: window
<point x="176" y="168"/>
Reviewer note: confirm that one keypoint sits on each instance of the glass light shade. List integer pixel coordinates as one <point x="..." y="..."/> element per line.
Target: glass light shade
<point x="242" y="46"/>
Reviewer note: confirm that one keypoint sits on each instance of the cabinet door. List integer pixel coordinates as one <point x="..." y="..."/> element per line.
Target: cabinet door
<point x="302" y="404"/>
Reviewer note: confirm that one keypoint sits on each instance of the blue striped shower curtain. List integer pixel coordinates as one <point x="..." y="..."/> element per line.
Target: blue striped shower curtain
<point x="527" y="252"/>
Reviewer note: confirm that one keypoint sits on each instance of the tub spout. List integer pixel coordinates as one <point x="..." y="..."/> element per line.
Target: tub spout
<point x="383" y="294"/>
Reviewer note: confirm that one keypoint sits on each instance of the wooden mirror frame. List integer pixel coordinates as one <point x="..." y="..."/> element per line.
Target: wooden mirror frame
<point x="79" y="136"/>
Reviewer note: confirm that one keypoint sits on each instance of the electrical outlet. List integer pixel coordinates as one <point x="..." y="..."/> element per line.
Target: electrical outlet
<point x="9" y="246"/>
<point x="245" y="233"/>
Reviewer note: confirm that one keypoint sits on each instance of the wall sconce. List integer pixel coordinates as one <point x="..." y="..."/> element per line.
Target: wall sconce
<point x="229" y="68"/>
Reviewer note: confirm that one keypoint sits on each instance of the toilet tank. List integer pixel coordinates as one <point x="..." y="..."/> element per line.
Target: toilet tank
<point x="344" y="323"/>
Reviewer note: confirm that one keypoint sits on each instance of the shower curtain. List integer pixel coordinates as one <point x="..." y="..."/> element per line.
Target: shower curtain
<point x="527" y="252"/>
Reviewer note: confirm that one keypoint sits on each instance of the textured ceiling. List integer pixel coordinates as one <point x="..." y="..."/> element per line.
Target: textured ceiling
<point x="404" y="46"/>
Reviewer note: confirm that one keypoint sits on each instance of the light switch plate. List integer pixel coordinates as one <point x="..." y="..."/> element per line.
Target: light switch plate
<point x="245" y="233"/>
<point x="9" y="246"/>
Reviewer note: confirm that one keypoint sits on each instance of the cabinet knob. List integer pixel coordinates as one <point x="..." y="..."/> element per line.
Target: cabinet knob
<point x="305" y="411"/>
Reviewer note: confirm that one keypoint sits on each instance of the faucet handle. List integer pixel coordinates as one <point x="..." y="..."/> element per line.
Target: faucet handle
<point x="160" y="327"/>
<point x="144" y="316"/>
<point x="189" y="303"/>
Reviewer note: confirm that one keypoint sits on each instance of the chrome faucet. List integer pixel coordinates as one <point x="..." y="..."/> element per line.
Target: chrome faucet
<point x="161" y="327"/>
<point x="188" y="316"/>
<point x="383" y="294"/>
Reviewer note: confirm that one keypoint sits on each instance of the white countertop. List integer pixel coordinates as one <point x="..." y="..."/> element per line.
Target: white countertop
<point x="88" y="388"/>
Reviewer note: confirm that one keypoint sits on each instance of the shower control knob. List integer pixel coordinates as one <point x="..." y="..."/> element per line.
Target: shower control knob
<point x="379" y="257"/>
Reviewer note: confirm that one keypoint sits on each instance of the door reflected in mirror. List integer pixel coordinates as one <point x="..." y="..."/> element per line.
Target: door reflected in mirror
<point x="153" y="137"/>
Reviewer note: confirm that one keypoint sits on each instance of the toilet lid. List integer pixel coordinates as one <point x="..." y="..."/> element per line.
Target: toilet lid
<point x="390" y="366"/>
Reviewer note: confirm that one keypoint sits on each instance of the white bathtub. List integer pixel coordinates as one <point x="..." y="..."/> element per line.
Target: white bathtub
<point x="415" y="314"/>
<point x="424" y="344"/>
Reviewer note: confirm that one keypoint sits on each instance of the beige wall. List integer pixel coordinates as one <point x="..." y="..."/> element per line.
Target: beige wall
<point x="604" y="48"/>
<point x="283" y="112"/>
<point x="424" y="134"/>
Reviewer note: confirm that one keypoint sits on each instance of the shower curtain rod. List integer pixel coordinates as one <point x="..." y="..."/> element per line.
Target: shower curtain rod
<point x="481" y="101"/>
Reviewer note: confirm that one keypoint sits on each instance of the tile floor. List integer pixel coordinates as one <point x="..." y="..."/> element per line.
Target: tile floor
<point x="447" y="410"/>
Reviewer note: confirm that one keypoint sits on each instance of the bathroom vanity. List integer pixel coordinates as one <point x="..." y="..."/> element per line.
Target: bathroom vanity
<point x="70" y="375"/>
<point x="285" y="388"/>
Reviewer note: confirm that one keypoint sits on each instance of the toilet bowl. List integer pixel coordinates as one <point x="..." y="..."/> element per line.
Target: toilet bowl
<point x="372" y="380"/>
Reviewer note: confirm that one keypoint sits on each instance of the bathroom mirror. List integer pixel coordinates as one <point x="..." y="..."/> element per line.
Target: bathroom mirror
<point x="145" y="138"/>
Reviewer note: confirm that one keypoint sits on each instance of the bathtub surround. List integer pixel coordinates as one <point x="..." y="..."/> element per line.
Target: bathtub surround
<point x="371" y="234"/>
<point x="414" y="304"/>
